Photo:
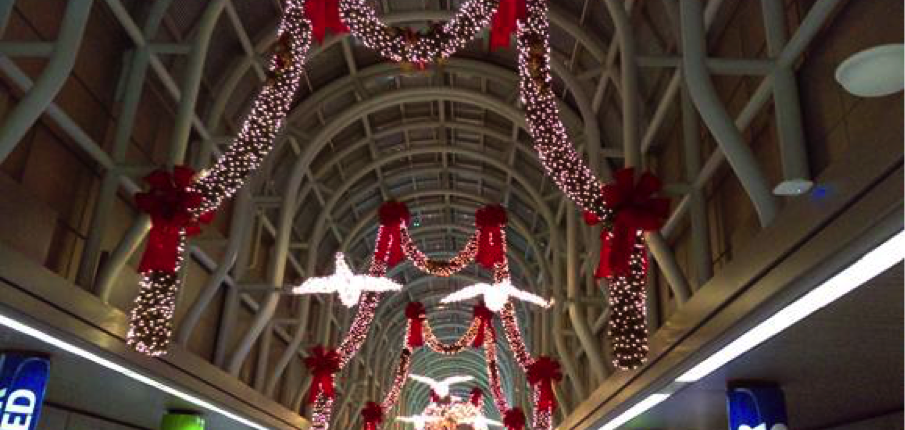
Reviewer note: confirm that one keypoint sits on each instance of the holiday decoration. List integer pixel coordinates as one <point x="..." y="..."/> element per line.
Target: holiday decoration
<point x="636" y="210"/>
<point x="323" y="364"/>
<point x="480" y="422"/>
<point x="372" y="416"/>
<point x="346" y="284"/>
<point x="441" y="388"/>
<point x="505" y="22"/>
<point x="542" y="373"/>
<point x="514" y="419"/>
<point x="324" y="15"/>
<point x="178" y="202"/>
<point x="484" y="316"/>
<point x="490" y="221"/>
<point x="495" y="295"/>
<point x="419" y="421"/>
<point x="476" y="397"/>
<point x="394" y="216"/>
<point x="416" y="315"/>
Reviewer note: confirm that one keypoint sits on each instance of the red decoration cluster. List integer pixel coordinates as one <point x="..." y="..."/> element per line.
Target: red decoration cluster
<point x="490" y="221"/>
<point x="505" y="22"/>
<point x="393" y="217"/>
<point x="323" y="365"/>
<point x="324" y="15"/>
<point x="416" y="314"/>
<point x="372" y="415"/>
<point x="170" y="203"/>
<point x="635" y="210"/>
<point x="542" y="373"/>
<point x="485" y="317"/>
<point x="514" y="419"/>
<point x="477" y="397"/>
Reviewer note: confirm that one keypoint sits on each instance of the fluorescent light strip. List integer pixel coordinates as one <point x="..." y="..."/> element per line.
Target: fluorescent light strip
<point x="866" y="268"/>
<point x="639" y="408"/>
<point x="66" y="346"/>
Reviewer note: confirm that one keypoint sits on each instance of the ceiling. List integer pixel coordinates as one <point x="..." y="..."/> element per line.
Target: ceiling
<point x="840" y="365"/>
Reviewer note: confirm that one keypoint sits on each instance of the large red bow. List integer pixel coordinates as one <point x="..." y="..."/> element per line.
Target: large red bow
<point x="323" y="364"/>
<point x="477" y="397"/>
<point x="170" y="205"/>
<point x="514" y="419"/>
<point x="542" y="373"/>
<point x="372" y="415"/>
<point x="505" y="21"/>
<point x="324" y="15"/>
<point x="485" y="324"/>
<point x="415" y="314"/>
<point x="435" y="398"/>
<point x="490" y="221"/>
<point x="636" y="210"/>
<point x="393" y="215"/>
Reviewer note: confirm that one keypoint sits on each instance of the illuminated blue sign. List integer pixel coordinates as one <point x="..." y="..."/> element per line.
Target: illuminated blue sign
<point x="756" y="407"/>
<point x="22" y="381"/>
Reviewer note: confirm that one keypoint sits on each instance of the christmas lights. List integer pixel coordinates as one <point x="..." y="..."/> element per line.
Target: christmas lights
<point x="441" y="387"/>
<point x="436" y="43"/>
<point x="346" y="284"/>
<point x="439" y="268"/>
<point x="419" y="421"/>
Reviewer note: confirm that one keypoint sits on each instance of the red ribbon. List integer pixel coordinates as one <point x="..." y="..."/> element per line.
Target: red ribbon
<point x="323" y="364"/>
<point x="170" y="205"/>
<point x="435" y="398"/>
<point x="490" y="221"/>
<point x="542" y="373"/>
<point x="389" y="242"/>
<point x="505" y="22"/>
<point x="636" y="210"/>
<point x="324" y="15"/>
<point x="477" y="396"/>
<point x="485" y="318"/>
<point x="372" y="415"/>
<point x="416" y="314"/>
<point x="514" y="419"/>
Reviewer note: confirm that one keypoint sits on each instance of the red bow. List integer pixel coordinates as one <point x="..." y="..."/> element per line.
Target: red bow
<point x="389" y="239"/>
<point x="171" y="206"/>
<point x="372" y="414"/>
<point x="505" y="21"/>
<point x="435" y="398"/>
<point x="514" y="419"/>
<point x="543" y="372"/>
<point x="323" y="364"/>
<point x="477" y="396"/>
<point x="324" y="15"/>
<point x="485" y="318"/>
<point x="636" y="210"/>
<point x="415" y="314"/>
<point x="490" y="221"/>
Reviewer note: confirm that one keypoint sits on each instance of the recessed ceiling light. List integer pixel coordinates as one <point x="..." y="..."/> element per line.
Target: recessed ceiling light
<point x="875" y="72"/>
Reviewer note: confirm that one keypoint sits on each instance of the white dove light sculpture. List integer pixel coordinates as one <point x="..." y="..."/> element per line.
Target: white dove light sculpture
<point x="480" y="422"/>
<point x="441" y="387"/>
<point x="419" y="421"/>
<point x="495" y="295"/>
<point x="346" y="284"/>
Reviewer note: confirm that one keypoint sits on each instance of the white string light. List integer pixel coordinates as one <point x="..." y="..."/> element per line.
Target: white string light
<point x="346" y="284"/>
<point x="495" y="295"/>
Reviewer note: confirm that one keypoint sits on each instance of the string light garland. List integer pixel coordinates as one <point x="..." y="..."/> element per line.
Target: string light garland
<point x="346" y="284"/>
<point x="440" y="268"/>
<point x="437" y="42"/>
<point x="495" y="295"/>
<point x="627" y="328"/>
<point x="150" y="322"/>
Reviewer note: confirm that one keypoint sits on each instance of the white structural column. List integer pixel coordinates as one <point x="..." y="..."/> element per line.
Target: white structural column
<point x="796" y="175"/>
<point x="52" y="78"/>
<point x="724" y="130"/>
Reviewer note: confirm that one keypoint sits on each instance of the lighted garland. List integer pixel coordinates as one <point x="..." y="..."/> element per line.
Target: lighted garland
<point x="438" y="42"/>
<point x="464" y="341"/>
<point x="151" y="318"/>
<point x="440" y="268"/>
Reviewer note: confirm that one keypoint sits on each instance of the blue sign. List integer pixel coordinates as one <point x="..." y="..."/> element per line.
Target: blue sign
<point x="756" y="407"/>
<point x="23" y="378"/>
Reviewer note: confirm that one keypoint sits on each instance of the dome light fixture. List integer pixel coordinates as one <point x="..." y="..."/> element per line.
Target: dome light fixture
<point x="875" y="72"/>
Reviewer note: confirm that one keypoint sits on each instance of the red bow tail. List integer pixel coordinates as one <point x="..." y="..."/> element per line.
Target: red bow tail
<point x="323" y="365"/>
<point x="490" y="221"/>
<point x="542" y="373"/>
<point x="393" y="215"/>
<point x="485" y="326"/>
<point x="514" y="419"/>
<point x="505" y="22"/>
<point x="372" y="415"/>
<point x="324" y="15"/>
<point x="415" y="314"/>
<point x="477" y="397"/>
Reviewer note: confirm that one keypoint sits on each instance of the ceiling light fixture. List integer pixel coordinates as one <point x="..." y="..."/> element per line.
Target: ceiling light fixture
<point x="874" y="72"/>
<point x="119" y="368"/>
<point x="632" y="412"/>
<point x="858" y="273"/>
